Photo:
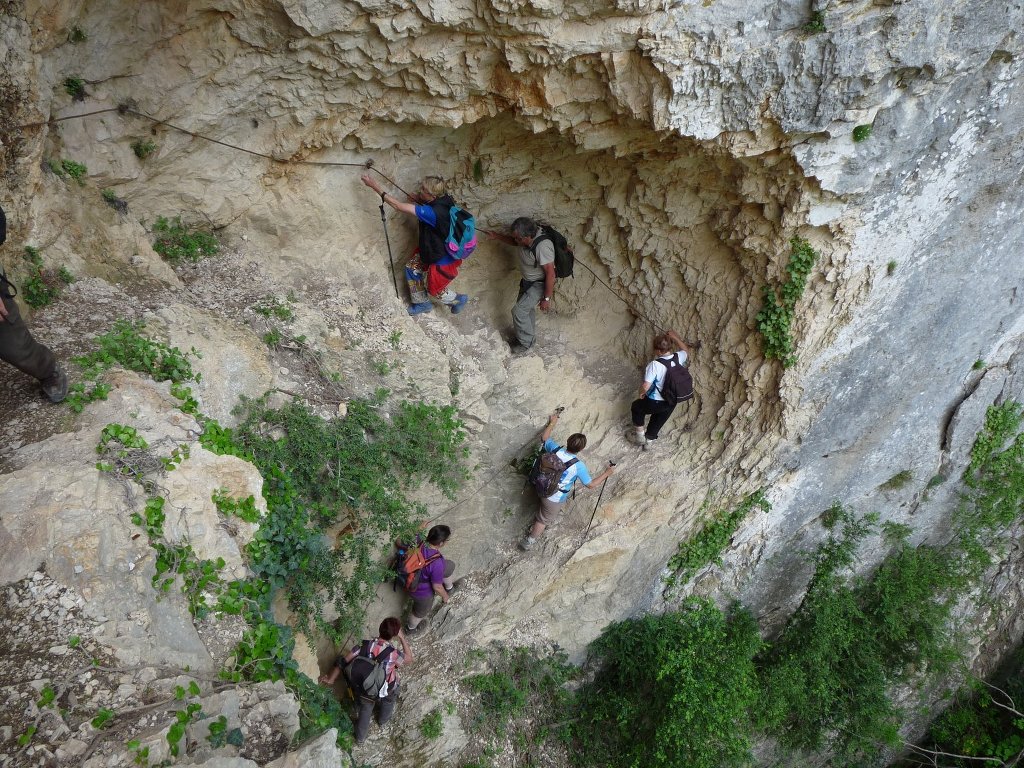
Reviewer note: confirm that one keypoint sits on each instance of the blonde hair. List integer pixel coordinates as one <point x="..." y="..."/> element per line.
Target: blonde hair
<point x="434" y="185"/>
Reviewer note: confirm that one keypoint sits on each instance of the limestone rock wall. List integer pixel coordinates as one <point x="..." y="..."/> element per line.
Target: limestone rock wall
<point x="679" y="144"/>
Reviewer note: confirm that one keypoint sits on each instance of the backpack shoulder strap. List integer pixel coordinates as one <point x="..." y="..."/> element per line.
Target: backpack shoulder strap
<point x="382" y="656"/>
<point x="541" y="236"/>
<point x="674" y="359"/>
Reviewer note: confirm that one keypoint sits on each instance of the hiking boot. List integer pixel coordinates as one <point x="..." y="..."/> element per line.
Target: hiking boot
<point x="649" y="444"/>
<point x="460" y="303"/>
<point x="518" y="350"/>
<point x="410" y="631"/>
<point x="419" y="309"/>
<point x="527" y="543"/>
<point x="636" y="438"/>
<point x="455" y="586"/>
<point x="55" y="386"/>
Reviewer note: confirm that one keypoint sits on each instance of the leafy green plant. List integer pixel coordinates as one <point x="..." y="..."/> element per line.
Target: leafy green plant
<point x="270" y="306"/>
<point x="519" y="681"/>
<point x="706" y="546"/>
<point x="432" y="726"/>
<point x="127" y="346"/>
<point x="243" y="508"/>
<point x="670" y="690"/>
<point x="272" y="338"/>
<point x="77" y="35"/>
<point x="816" y="23"/>
<point x="394" y="339"/>
<point x="978" y="365"/>
<point x="43" y="285"/>
<point x="890" y="268"/>
<point x="103" y="716"/>
<point x="143" y="148"/>
<point x="897" y="481"/>
<point x="75" y="87"/>
<point x="177" y="242"/>
<point x="53" y="163"/>
<point x="861" y="133"/>
<point x="76" y="171"/>
<point x="775" y="319"/>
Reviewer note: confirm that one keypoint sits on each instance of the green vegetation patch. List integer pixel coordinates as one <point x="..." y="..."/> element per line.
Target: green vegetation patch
<point x="43" y="285"/>
<point x="523" y="699"/>
<point x="775" y="319"/>
<point x="143" y="148"/>
<point x="126" y="345"/>
<point x="707" y="545"/>
<point x="671" y="690"/>
<point x="897" y="481"/>
<point x="177" y="242"/>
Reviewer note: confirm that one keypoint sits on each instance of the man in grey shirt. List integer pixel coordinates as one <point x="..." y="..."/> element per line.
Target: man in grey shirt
<point x="537" y="267"/>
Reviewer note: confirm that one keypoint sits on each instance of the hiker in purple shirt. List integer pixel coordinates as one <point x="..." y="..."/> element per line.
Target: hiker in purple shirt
<point x="435" y="578"/>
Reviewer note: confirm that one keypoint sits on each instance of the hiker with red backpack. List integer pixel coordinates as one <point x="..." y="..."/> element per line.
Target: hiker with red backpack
<point x="447" y="235"/>
<point x="553" y="475"/>
<point x="427" y="573"/>
<point x="666" y="383"/>
<point x="371" y="669"/>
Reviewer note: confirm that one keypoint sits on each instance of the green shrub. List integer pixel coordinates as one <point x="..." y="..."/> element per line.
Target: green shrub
<point x="776" y="315"/>
<point x="77" y="35"/>
<point x="897" y="481"/>
<point x="143" y="148"/>
<point x="862" y="133"/>
<point x="707" y="545"/>
<point x="75" y="87"/>
<point x="43" y="285"/>
<point x="76" y="171"/>
<point x="432" y="725"/>
<point x="322" y="471"/>
<point x="177" y="242"/>
<point x="127" y="346"/>
<point x="519" y="700"/>
<point x="816" y="23"/>
<point x="671" y="690"/>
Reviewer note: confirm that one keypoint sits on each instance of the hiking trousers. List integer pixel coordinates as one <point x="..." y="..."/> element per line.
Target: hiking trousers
<point x="18" y="348"/>
<point x="658" y="410"/>
<point x="524" y="313"/>
<point x="366" y="707"/>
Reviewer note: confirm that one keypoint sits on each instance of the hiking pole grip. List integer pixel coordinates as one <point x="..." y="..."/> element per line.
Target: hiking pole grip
<point x="391" y="259"/>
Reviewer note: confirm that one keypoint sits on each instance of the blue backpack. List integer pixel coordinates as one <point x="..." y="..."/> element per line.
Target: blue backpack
<point x="461" y="239"/>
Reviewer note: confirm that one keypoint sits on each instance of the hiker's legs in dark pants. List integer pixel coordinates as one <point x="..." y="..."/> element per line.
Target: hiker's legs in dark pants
<point x="658" y="410"/>
<point x="421" y="606"/>
<point x="524" y="313"/>
<point x="365" y="714"/>
<point x="18" y="348"/>
<point x="387" y="707"/>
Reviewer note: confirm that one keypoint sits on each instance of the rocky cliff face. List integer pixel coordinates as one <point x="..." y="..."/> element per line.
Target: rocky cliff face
<point x="680" y="145"/>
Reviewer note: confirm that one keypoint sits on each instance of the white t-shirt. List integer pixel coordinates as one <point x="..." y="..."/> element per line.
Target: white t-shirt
<point x="654" y="374"/>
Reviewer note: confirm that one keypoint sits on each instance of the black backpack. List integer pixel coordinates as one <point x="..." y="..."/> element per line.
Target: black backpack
<point x="678" y="384"/>
<point x="547" y="470"/>
<point x="565" y="259"/>
<point x="367" y="674"/>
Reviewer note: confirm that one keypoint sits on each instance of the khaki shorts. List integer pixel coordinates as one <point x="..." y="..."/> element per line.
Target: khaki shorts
<point x="549" y="511"/>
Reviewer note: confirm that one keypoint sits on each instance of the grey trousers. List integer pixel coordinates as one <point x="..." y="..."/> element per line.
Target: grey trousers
<point x="366" y="706"/>
<point x="18" y="348"/>
<point x="524" y="313"/>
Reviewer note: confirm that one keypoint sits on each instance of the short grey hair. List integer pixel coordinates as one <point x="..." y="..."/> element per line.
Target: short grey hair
<point x="524" y="227"/>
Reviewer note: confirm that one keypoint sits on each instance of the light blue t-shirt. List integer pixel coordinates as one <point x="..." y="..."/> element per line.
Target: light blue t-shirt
<point x="655" y="372"/>
<point x="577" y="471"/>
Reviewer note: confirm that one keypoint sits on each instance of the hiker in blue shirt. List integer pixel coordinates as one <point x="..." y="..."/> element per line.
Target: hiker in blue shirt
<point x="669" y="349"/>
<point x="431" y="268"/>
<point x="550" y="508"/>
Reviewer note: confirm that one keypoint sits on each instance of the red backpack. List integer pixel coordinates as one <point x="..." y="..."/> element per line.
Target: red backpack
<point x="410" y="565"/>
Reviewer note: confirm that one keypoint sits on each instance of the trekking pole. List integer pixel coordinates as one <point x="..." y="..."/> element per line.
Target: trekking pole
<point x="391" y="259"/>
<point x="610" y="464"/>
